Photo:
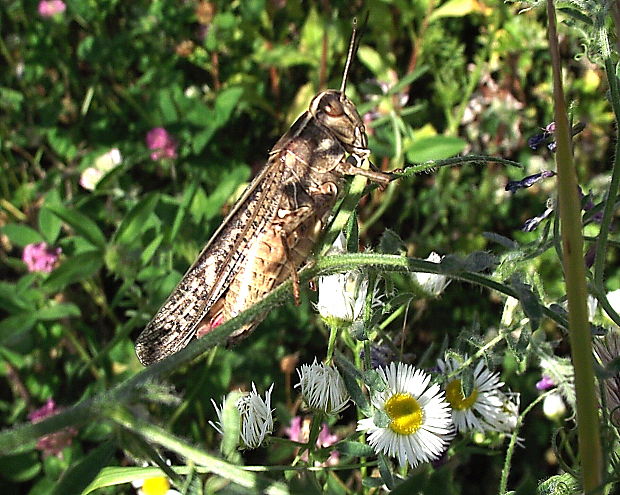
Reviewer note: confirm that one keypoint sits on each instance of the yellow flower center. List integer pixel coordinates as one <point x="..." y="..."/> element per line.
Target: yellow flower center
<point x="455" y="396"/>
<point x="405" y="413"/>
<point x="156" y="486"/>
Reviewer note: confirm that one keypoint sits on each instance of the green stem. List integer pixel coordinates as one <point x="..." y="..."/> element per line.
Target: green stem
<point x="612" y="193"/>
<point x="574" y="272"/>
<point x="503" y="484"/>
<point x="216" y="465"/>
<point x="130" y="390"/>
<point x="333" y="333"/>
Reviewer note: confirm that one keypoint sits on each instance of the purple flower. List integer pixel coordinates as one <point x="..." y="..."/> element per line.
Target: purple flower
<point x="546" y="136"/>
<point x="528" y="181"/>
<point x="380" y="355"/>
<point x="531" y="223"/>
<point x="161" y="143"/>
<point x="52" y="443"/>
<point x="49" y="8"/>
<point x="545" y="383"/>
<point x="39" y="257"/>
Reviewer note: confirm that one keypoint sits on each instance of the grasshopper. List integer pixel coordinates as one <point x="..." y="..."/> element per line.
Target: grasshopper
<point x="272" y="229"/>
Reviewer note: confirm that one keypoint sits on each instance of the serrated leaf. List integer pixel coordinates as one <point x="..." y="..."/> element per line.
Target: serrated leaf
<point x="79" y="267"/>
<point x="21" y="235"/>
<point x="529" y="302"/>
<point x="391" y="243"/>
<point x="434" y="148"/>
<point x="479" y="261"/>
<point x="82" y="225"/>
<point x="501" y="240"/>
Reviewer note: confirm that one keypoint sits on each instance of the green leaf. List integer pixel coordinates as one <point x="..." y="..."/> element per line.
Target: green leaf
<point x="391" y="243"/>
<point x="10" y="100"/>
<point x="15" y="325"/>
<point x="352" y="234"/>
<point x="78" y="477"/>
<point x="373" y="60"/>
<point x="355" y="449"/>
<point x="151" y="249"/>
<point x="385" y="471"/>
<point x="135" y="222"/>
<point x="82" y="225"/>
<point x="49" y="225"/>
<point x="350" y="374"/>
<point x="225" y="104"/>
<point x="434" y="148"/>
<point x="188" y="197"/>
<point x="529" y="302"/>
<point x="79" y="267"/>
<point x="12" y="299"/>
<point x="57" y="311"/>
<point x="113" y="476"/>
<point x="21" y="467"/>
<point x="21" y="235"/>
<point x="167" y="106"/>
<point x="454" y="8"/>
<point x="416" y="483"/>
<point x="62" y="143"/>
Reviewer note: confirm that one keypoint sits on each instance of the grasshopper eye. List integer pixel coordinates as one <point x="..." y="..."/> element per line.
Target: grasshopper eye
<point x="333" y="108"/>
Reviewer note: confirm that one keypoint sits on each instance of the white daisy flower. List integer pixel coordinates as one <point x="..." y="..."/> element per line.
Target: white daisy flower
<point x="159" y="485"/>
<point x="255" y="415"/>
<point x="431" y="284"/>
<point x="419" y="427"/>
<point x="486" y="408"/>
<point x="322" y="387"/>
<point x="342" y="295"/>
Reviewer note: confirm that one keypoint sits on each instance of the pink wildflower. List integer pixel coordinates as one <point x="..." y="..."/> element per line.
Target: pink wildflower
<point x="545" y="383"/>
<point x="299" y="431"/>
<point x="49" y="8"/>
<point x="52" y="443"/>
<point x="161" y="143"/>
<point x="39" y="257"/>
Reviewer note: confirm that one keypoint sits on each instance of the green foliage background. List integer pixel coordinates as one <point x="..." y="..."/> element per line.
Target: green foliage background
<point x="433" y="79"/>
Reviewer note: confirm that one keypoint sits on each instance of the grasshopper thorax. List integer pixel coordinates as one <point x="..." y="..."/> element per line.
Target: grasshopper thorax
<point x="334" y="111"/>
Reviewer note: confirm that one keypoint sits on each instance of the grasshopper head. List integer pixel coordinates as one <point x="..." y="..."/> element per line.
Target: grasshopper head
<point x="338" y="114"/>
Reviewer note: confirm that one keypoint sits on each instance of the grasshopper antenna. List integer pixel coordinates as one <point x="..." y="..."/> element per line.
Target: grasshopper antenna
<point x="345" y="74"/>
<point x="353" y="46"/>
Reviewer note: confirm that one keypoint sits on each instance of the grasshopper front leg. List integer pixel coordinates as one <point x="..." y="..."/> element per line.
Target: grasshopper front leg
<point x="345" y="167"/>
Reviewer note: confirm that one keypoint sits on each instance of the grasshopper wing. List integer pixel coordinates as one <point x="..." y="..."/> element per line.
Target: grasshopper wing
<point x="177" y="321"/>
